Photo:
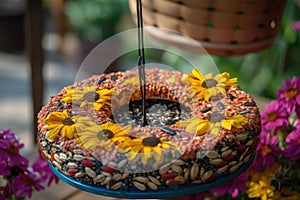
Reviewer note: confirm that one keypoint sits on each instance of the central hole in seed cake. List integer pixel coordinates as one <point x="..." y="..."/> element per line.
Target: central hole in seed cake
<point x="159" y="112"/>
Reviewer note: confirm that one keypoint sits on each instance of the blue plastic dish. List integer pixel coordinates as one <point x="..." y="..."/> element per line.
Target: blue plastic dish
<point x="172" y="192"/>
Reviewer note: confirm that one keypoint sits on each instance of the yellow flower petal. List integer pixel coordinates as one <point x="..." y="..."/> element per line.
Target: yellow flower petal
<point x="133" y="153"/>
<point x="70" y="132"/>
<point x="192" y="127"/>
<point x="56" y="117"/>
<point x="53" y="132"/>
<point x="195" y="125"/>
<point x="97" y="106"/>
<point x="237" y="121"/>
<point x="198" y="74"/>
<point x="165" y="145"/>
<point x="215" y="130"/>
<point x="158" y="156"/>
<point x="145" y="158"/>
<point x="146" y="149"/>
<point x="108" y="146"/>
<point x="183" y="123"/>
<point x="227" y="124"/>
<point x="208" y="76"/>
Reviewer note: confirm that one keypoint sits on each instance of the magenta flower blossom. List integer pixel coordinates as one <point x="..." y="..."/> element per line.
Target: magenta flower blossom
<point x="296" y="25"/>
<point x="2" y="196"/>
<point x="24" y="184"/>
<point x="17" y="178"/>
<point x="41" y="166"/>
<point x="4" y="170"/>
<point x="6" y="192"/>
<point x="9" y="150"/>
<point x="233" y="187"/>
<point x="293" y="142"/>
<point x="266" y="151"/>
<point x="289" y="95"/>
<point x="274" y="116"/>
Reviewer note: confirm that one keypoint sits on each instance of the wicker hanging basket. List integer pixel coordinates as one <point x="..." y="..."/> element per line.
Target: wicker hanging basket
<point x="223" y="28"/>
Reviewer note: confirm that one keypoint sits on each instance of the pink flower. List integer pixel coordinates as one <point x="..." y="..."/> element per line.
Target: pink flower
<point x="274" y="116"/>
<point x="289" y="95"/>
<point x="4" y="170"/>
<point x="296" y="25"/>
<point x="24" y="184"/>
<point x="41" y="166"/>
<point x="293" y="142"/>
<point x="19" y="180"/>
<point x="2" y="196"/>
<point x="233" y="188"/>
<point x="6" y="192"/>
<point x="266" y="151"/>
<point x="9" y="150"/>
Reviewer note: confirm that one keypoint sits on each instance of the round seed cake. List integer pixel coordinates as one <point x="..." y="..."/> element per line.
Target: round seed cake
<point x="199" y="127"/>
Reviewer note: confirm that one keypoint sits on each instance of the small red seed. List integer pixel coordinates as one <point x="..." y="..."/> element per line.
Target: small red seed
<point x="72" y="171"/>
<point x="43" y="155"/>
<point x="241" y="148"/>
<point x="210" y="179"/>
<point x="169" y="176"/>
<point x="255" y="142"/>
<point x="52" y="155"/>
<point x="108" y="169"/>
<point x="222" y="164"/>
<point x="173" y="182"/>
<point x="229" y="158"/>
<point x="87" y="163"/>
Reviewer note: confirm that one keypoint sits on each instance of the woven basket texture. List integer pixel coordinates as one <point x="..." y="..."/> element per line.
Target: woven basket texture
<point x="223" y="27"/>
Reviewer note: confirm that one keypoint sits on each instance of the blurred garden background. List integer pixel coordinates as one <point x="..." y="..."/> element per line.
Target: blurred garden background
<point x="72" y="28"/>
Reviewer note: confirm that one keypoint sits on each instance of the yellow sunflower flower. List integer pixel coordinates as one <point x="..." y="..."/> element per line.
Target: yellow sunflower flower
<point x="90" y="95"/>
<point x="148" y="147"/>
<point x="259" y="184"/>
<point x="213" y="124"/>
<point x="206" y="86"/>
<point x="260" y="189"/>
<point x="61" y="122"/>
<point x="104" y="136"/>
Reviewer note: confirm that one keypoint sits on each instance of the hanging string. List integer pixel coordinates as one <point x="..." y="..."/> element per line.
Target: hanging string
<point x="141" y="59"/>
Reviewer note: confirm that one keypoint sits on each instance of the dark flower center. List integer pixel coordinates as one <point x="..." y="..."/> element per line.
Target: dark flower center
<point x="291" y="93"/>
<point x="28" y="181"/>
<point x="209" y="83"/>
<point x="266" y="150"/>
<point x="91" y="96"/>
<point x="16" y="171"/>
<point x="216" y="117"/>
<point x="105" y="134"/>
<point x="272" y="116"/>
<point x="151" y="141"/>
<point x="13" y="150"/>
<point x="68" y="121"/>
